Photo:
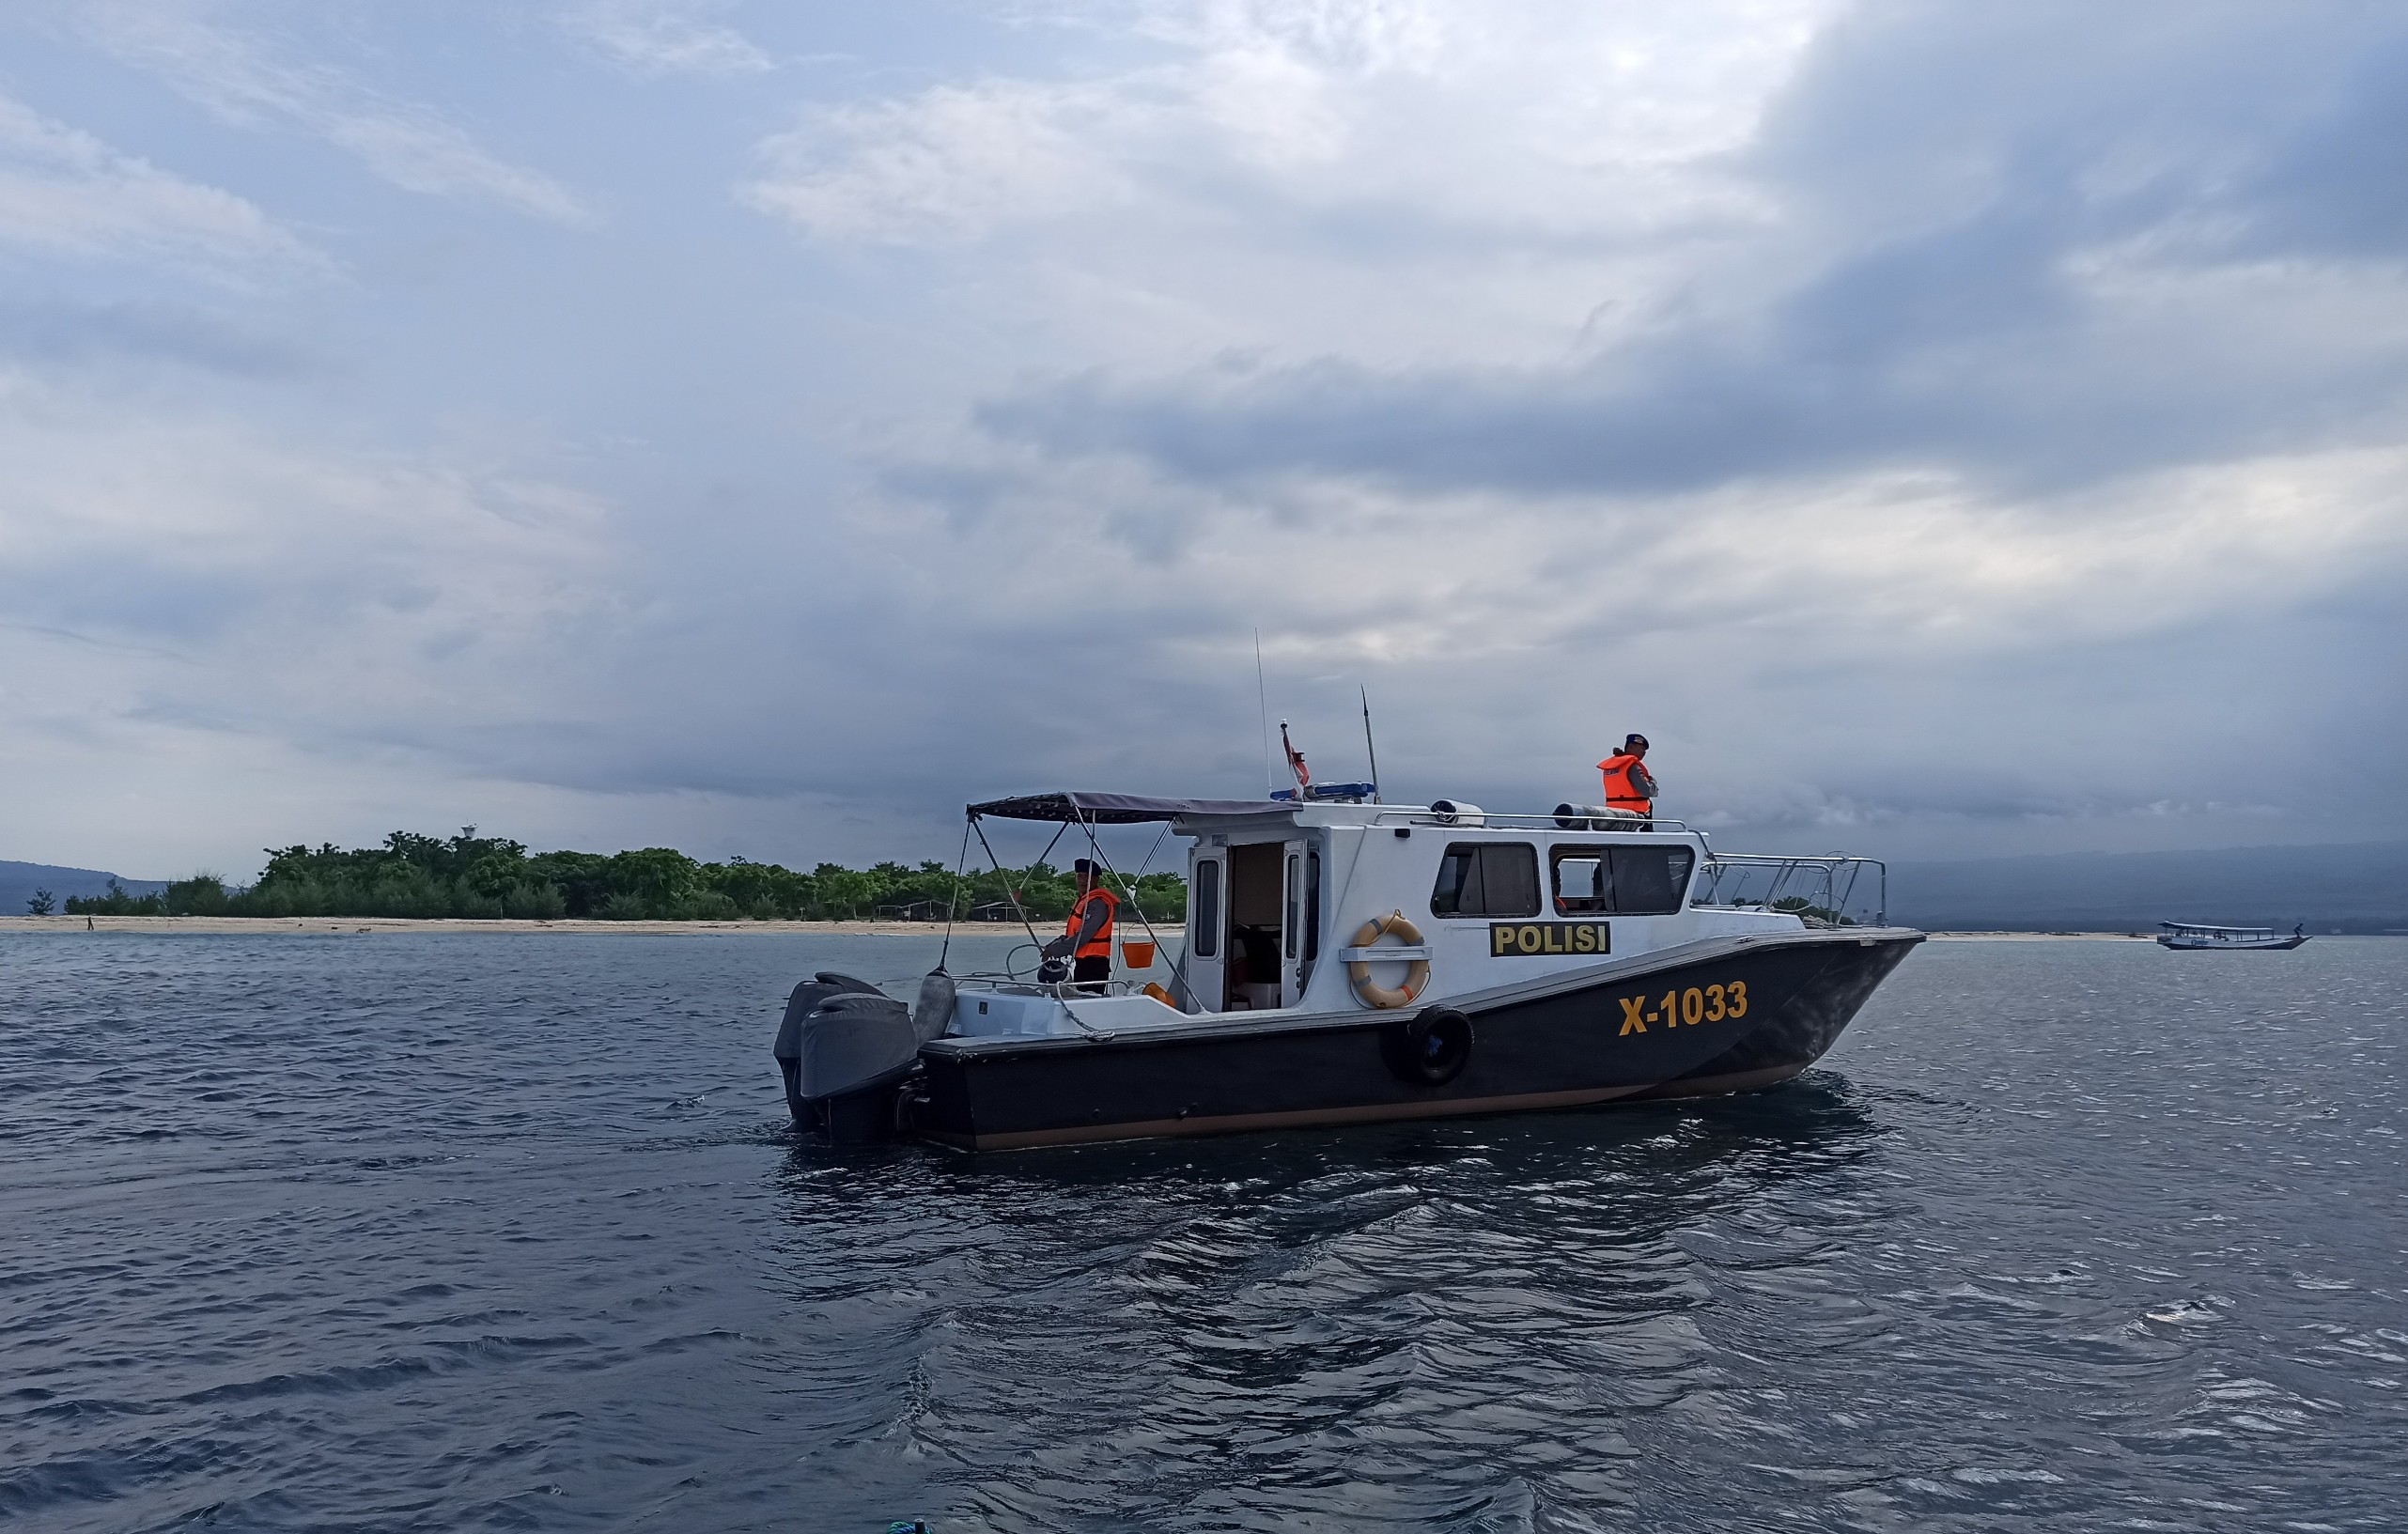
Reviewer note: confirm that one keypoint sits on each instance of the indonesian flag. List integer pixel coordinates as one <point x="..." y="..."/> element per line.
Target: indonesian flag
<point x="1295" y="760"/>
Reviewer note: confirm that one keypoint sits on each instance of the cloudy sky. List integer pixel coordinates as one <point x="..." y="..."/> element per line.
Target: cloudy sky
<point x="1946" y="431"/>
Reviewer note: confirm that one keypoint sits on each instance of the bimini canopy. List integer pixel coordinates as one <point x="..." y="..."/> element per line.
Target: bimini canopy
<point x="1120" y="808"/>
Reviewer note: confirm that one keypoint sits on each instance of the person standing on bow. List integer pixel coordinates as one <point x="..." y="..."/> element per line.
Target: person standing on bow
<point x="1628" y="783"/>
<point x="1086" y="940"/>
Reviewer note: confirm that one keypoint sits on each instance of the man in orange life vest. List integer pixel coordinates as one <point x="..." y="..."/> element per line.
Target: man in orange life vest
<point x="1087" y="940"/>
<point x="1628" y="783"/>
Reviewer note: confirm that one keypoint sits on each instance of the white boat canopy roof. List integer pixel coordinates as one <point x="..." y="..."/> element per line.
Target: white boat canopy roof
<point x="1079" y="806"/>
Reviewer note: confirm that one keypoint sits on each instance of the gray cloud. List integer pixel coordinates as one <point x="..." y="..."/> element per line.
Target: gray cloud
<point x="1977" y="433"/>
<point x="665" y="36"/>
<point x="63" y="192"/>
<point x="2075" y="243"/>
<point x="241" y="80"/>
<point x="151" y="331"/>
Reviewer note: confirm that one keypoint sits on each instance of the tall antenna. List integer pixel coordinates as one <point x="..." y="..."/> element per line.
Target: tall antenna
<point x="1263" y="701"/>
<point x="1370" y="749"/>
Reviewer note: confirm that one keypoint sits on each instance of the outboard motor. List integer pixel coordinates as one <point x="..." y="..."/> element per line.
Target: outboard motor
<point x="846" y="1047"/>
<point x="835" y="1066"/>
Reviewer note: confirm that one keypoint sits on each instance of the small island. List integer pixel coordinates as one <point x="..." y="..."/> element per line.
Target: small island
<point x="470" y="877"/>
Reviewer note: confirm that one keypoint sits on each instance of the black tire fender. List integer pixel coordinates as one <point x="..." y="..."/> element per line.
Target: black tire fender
<point x="1431" y="1047"/>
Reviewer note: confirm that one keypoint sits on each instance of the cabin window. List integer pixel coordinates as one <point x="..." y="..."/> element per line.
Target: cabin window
<point x="1620" y="881"/>
<point x="1207" y="907"/>
<point x="1651" y="881"/>
<point x="1584" y="881"/>
<point x="1486" y="878"/>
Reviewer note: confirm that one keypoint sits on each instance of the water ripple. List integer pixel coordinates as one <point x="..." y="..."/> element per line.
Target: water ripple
<point x="420" y="1233"/>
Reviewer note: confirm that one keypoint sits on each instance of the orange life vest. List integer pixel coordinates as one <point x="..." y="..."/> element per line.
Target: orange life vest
<point x="1100" y="945"/>
<point x="1622" y="793"/>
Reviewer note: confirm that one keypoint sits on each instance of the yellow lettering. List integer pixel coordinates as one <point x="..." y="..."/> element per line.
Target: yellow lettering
<point x="1713" y="1003"/>
<point x="1630" y="1018"/>
<point x="1739" y="999"/>
<point x="1549" y="937"/>
<point x="1693" y="1006"/>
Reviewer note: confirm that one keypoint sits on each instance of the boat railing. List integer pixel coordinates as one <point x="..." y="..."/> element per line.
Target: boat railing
<point x="1060" y="990"/>
<point x="1836" y="891"/>
<point x="1416" y="814"/>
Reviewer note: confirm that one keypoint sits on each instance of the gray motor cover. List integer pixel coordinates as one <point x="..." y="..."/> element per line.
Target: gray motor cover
<point x="807" y="995"/>
<point x="850" y="1040"/>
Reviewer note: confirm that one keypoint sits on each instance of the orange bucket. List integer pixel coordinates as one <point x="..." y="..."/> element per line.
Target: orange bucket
<point x="1138" y="955"/>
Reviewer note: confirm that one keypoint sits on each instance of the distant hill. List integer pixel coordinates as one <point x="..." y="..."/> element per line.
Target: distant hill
<point x="2360" y="888"/>
<point x="18" y="882"/>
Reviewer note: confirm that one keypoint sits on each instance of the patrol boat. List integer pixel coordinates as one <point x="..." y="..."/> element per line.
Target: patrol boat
<point x="1348" y="962"/>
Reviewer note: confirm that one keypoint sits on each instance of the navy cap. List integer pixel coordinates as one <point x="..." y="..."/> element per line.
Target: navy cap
<point x="1633" y="741"/>
<point x="1085" y="865"/>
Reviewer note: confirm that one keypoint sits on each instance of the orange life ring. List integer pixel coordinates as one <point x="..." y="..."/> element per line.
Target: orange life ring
<point x="1417" y="971"/>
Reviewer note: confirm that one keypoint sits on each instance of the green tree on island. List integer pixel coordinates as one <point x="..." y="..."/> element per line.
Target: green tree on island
<point x="488" y="877"/>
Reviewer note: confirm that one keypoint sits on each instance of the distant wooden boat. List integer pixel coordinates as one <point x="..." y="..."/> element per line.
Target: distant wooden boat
<point x="2193" y="934"/>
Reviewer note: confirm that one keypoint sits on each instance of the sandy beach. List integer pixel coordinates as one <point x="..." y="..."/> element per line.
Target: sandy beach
<point x="262" y="925"/>
<point x="355" y="925"/>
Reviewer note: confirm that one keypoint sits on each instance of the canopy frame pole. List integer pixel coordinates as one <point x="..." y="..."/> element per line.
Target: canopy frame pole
<point x="953" y="896"/>
<point x="1149" y="859"/>
<point x="1018" y="910"/>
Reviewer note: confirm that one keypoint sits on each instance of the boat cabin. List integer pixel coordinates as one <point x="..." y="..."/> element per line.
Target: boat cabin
<point x="1316" y="907"/>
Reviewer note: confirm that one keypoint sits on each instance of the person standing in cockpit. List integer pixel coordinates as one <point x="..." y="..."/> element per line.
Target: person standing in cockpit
<point x="1087" y="941"/>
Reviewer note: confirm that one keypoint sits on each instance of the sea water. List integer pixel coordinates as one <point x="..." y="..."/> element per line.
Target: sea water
<point x="403" y="1232"/>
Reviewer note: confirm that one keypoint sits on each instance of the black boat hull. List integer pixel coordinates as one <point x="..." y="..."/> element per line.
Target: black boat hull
<point x="1744" y="1014"/>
